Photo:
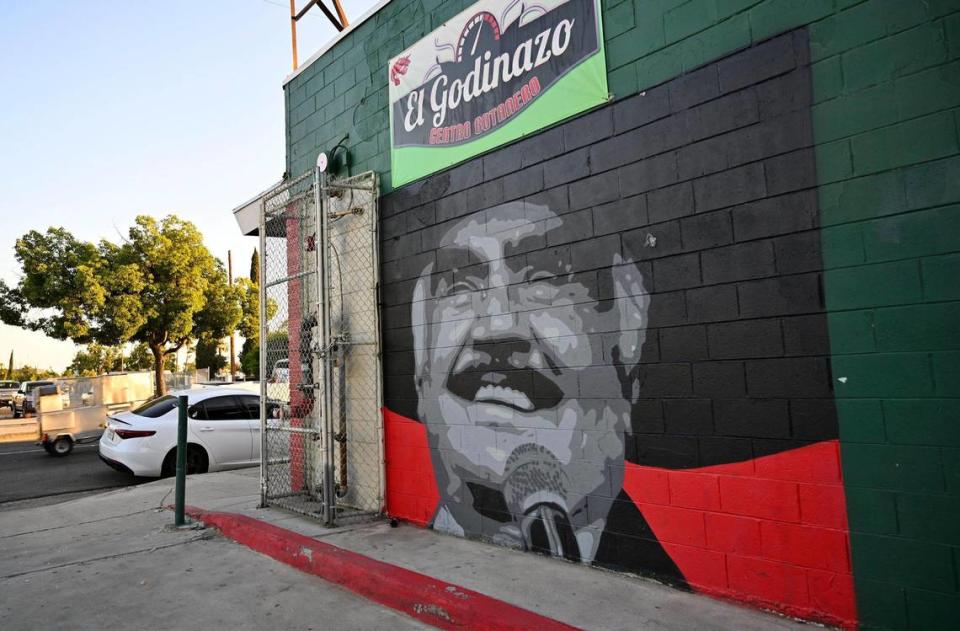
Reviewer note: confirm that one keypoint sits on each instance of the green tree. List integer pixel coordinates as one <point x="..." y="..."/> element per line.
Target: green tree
<point x="10" y="365"/>
<point x="160" y="287"/>
<point x="255" y="267"/>
<point x="95" y="359"/>
<point x="249" y="326"/>
<point x="139" y="358"/>
<point x="250" y="359"/>
<point x="32" y="373"/>
<point x="208" y="355"/>
<point x="62" y="276"/>
<point x="12" y="306"/>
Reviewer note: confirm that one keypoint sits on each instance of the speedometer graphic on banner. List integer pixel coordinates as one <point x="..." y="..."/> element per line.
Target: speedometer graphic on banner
<point x="483" y="26"/>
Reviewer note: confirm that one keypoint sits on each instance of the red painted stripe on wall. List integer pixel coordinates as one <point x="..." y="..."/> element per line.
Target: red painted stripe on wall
<point x="771" y="531"/>
<point x="781" y="526"/>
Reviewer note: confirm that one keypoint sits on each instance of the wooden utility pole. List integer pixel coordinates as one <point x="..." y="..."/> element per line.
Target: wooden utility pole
<point x="233" y="361"/>
<point x="293" y="31"/>
<point x="341" y="14"/>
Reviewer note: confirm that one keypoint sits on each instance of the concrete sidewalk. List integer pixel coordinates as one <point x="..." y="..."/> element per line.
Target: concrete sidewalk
<point x="109" y="560"/>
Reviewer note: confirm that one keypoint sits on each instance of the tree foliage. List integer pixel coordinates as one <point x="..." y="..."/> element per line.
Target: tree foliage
<point x="12" y="305"/>
<point x="249" y="326"/>
<point x="96" y="359"/>
<point x="31" y="373"/>
<point x="250" y="359"/>
<point x="139" y="358"/>
<point x="208" y="355"/>
<point x="255" y="267"/>
<point x="160" y="287"/>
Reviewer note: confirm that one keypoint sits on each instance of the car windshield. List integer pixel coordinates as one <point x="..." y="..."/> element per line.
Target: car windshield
<point x="28" y="386"/>
<point x="9" y="384"/>
<point x="157" y="407"/>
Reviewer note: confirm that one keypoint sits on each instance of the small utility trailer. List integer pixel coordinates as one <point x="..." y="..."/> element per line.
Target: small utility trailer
<point x="77" y="412"/>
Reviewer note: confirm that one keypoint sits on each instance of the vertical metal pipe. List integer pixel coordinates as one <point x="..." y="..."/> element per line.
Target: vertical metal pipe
<point x="329" y="495"/>
<point x="342" y="410"/>
<point x="181" y="483"/>
<point x="264" y="330"/>
<point x="320" y="403"/>
<point x="233" y="353"/>
<point x="375" y="238"/>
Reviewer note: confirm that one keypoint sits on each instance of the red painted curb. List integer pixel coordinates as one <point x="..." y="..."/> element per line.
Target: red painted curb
<point x="435" y="602"/>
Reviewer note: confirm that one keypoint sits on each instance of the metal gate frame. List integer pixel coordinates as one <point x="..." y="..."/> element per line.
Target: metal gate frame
<point x="340" y="435"/>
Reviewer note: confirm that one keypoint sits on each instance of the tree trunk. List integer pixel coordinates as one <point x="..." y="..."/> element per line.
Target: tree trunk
<point x="160" y="388"/>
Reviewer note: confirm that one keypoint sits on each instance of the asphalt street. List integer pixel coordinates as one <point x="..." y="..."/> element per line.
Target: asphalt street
<point x="28" y="473"/>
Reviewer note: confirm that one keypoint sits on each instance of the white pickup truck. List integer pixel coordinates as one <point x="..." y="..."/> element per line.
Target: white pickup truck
<point x="7" y="390"/>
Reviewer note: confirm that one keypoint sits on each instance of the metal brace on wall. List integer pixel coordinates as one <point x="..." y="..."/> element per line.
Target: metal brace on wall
<point x="339" y="22"/>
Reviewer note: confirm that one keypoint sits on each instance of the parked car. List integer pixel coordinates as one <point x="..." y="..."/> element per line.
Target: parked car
<point x="8" y="389"/>
<point x="25" y="400"/>
<point x="223" y="432"/>
<point x="281" y="371"/>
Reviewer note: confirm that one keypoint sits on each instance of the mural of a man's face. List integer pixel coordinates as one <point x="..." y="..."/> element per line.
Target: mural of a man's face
<point x="523" y="449"/>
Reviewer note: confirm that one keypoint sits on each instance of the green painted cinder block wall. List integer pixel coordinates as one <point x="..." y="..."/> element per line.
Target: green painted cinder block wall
<point x="886" y="77"/>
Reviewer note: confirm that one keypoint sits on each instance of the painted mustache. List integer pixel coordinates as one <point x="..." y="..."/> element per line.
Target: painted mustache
<point x="524" y="390"/>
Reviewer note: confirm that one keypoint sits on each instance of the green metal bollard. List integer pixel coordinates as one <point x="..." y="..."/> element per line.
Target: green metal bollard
<point x="178" y="519"/>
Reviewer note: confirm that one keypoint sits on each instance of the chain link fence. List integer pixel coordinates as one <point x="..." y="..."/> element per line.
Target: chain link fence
<point x="353" y="346"/>
<point x="289" y="301"/>
<point x="320" y="353"/>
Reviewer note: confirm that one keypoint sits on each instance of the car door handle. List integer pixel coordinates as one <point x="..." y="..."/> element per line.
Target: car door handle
<point x="206" y="429"/>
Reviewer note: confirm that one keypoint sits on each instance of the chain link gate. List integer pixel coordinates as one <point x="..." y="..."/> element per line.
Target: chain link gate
<point x="321" y="440"/>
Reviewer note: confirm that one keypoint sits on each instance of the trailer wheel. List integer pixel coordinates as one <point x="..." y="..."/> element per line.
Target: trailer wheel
<point x="62" y="446"/>
<point x="48" y="447"/>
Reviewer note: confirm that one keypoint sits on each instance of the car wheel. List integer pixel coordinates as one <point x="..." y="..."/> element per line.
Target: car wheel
<point x="197" y="462"/>
<point x="169" y="467"/>
<point x="62" y="446"/>
<point x="16" y="414"/>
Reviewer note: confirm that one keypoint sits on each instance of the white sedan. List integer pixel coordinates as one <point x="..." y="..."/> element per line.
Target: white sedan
<point x="223" y="432"/>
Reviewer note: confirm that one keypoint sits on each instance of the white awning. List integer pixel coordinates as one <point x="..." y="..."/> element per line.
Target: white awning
<point x="247" y="214"/>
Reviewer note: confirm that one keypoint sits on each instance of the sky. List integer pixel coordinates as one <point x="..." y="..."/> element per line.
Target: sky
<point x="111" y="109"/>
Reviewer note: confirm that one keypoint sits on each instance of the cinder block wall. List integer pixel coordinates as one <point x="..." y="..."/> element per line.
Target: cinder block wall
<point x="881" y="160"/>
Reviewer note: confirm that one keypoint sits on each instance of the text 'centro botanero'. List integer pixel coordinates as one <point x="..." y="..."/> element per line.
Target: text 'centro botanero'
<point x="494" y="74"/>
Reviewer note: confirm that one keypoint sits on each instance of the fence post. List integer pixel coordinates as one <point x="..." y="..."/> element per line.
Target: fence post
<point x="178" y="519"/>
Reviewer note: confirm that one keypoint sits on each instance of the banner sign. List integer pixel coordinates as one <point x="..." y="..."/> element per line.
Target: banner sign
<point x="495" y="72"/>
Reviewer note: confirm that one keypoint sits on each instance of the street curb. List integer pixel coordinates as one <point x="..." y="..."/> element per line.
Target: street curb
<point x="425" y="598"/>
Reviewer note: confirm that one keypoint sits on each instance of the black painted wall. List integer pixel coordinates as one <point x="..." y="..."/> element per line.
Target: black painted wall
<point x="708" y="181"/>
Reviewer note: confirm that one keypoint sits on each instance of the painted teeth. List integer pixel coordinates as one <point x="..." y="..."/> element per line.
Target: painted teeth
<point x="507" y="395"/>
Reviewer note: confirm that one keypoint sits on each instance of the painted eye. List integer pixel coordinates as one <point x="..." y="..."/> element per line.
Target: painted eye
<point x="544" y="292"/>
<point x="542" y="287"/>
<point x="540" y="276"/>
<point x="460" y="287"/>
